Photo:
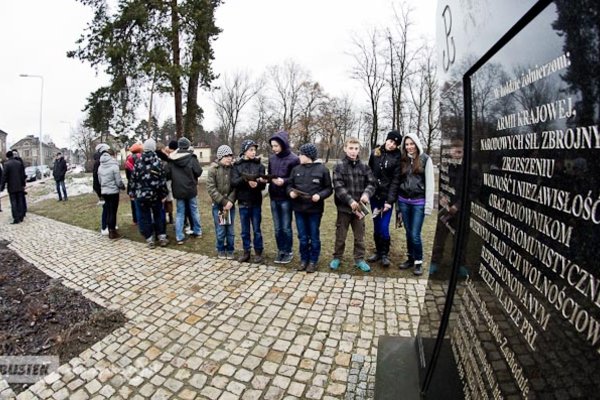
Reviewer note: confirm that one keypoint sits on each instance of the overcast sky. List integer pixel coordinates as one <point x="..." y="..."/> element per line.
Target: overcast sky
<point x="36" y="34"/>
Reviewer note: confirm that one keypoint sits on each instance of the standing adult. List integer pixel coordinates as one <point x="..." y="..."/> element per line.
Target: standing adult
<point x="281" y="163"/>
<point x="13" y="178"/>
<point x="20" y="160"/>
<point x="413" y="184"/>
<point x="384" y="161"/>
<point x="59" y="170"/>
<point x="184" y="171"/>
<point x="101" y="148"/>
<point x="135" y="153"/>
<point x="109" y="177"/>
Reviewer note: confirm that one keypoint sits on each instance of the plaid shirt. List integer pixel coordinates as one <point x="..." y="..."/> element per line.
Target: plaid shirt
<point x="352" y="179"/>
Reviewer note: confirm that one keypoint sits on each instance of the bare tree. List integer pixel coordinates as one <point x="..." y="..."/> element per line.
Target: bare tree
<point x="336" y="122"/>
<point x="311" y="97"/>
<point x="233" y="95"/>
<point x="424" y="94"/>
<point x="400" y="58"/>
<point x="288" y="81"/>
<point x="83" y="140"/>
<point x="369" y="69"/>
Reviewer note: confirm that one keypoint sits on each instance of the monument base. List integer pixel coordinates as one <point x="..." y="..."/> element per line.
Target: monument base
<point x="397" y="373"/>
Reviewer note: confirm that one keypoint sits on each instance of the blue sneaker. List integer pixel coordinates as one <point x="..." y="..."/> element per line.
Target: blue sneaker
<point x="335" y="263"/>
<point x="363" y="266"/>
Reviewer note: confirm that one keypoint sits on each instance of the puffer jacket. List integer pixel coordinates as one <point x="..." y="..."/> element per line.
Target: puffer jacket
<point x="351" y="179"/>
<point x="414" y="185"/>
<point x="148" y="179"/>
<point x="184" y="171"/>
<point x="281" y="165"/>
<point x="247" y="196"/>
<point x="384" y="165"/>
<point x="109" y="176"/>
<point x="312" y="178"/>
<point x="218" y="184"/>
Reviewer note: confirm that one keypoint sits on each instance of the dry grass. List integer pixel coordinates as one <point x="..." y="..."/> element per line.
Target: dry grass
<point x="82" y="211"/>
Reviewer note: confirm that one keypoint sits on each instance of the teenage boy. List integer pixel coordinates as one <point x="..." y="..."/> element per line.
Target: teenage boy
<point x="353" y="183"/>
<point x="281" y="163"/>
<point x="222" y="193"/>
<point x="184" y="171"/>
<point x="308" y="186"/>
<point x="247" y="180"/>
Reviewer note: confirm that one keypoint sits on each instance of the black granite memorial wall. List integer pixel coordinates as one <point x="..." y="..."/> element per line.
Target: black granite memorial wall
<point x="512" y="308"/>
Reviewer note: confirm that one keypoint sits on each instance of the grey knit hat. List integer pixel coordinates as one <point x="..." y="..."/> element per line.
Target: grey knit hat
<point x="309" y="150"/>
<point x="150" y="145"/>
<point x="223" y="151"/>
<point x="183" y="143"/>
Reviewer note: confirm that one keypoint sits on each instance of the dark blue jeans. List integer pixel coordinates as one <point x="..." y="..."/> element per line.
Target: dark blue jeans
<point x="381" y="223"/>
<point x="225" y="233"/>
<point x="309" y="235"/>
<point x="412" y="217"/>
<point x="281" y="210"/>
<point x="248" y="216"/>
<point x="61" y="189"/>
<point x="150" y="218"/>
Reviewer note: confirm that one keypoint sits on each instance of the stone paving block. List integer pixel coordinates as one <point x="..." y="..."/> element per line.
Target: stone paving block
<point x="214" y="329"/>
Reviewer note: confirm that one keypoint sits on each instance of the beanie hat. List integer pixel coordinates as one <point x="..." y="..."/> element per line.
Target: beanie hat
<point x="223" y="151"/>
<point x="102" y="147"/>
<point x="246" y="144"/>
<point x="309" y="150"/>
<point x="395" y="136"/>
<point x="136" y="148"/>
<point x="150" y="145"/>
<point x="183" y="143"/>
<point x="173" y="145"/>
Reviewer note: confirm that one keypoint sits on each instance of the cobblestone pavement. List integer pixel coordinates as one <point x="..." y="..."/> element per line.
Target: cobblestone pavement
<point x="202" y="328"/>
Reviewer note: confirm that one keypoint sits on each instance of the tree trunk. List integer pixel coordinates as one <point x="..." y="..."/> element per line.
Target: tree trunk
<point x="175" y="75"/>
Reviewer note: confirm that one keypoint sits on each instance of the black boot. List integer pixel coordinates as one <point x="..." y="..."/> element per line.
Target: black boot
<point x="258" y="258"/>
<point x="385" y="250"/>
<point x="377" y="255"/>
<point x="407" y="264"/>
<point x="245" y="257"/>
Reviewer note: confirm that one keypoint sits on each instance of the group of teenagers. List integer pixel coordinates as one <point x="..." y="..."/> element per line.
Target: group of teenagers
<point x="398" y="173"/>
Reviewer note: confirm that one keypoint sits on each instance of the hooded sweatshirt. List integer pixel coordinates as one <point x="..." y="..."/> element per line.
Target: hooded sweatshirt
<point x="184" y="171"/>
<point x="281" y="166"/>
<point x="109" y="175"/>
<point x="414" y="188"/>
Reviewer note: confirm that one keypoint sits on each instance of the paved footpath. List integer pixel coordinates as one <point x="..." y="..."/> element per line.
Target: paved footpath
<point x="202" y="328"/>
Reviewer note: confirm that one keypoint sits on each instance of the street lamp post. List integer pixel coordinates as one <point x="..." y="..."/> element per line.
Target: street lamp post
<point x="41" y="108"/>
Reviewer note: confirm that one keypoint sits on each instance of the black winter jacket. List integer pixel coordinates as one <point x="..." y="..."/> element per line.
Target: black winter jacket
<point x="13" y="177"/>
<point x="247" y="196"/>
<point x="384" y="165"/>
<point x="59" y="170"/>
<point x="184" y="171"/>
<point x="313" y="178"/>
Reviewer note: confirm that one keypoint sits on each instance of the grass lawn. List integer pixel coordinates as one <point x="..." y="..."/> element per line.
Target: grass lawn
<point x="82" y="211"/>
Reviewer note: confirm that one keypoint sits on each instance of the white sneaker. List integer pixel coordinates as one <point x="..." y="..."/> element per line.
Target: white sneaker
<point x="104" y="232"/>
<point x="188" y="231"/>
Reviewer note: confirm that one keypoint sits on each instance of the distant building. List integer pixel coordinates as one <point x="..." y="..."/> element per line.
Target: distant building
<point x="203" y="154"/>
<point x="3" y="148"/>
<point x="29" y="148"/>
